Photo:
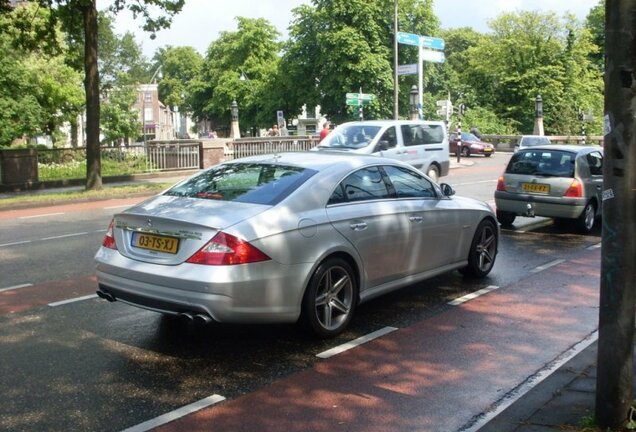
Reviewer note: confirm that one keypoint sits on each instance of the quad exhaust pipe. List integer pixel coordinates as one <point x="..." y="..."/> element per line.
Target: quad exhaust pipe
<point x="196" y="317"/>
<point x="106" y="296"/>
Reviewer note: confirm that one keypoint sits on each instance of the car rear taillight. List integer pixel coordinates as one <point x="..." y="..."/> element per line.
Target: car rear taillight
<point x="575" y="190"/>
<point x="501" y="186"/>
<point x="225" y="249"/>
<point x="109" y="239"/>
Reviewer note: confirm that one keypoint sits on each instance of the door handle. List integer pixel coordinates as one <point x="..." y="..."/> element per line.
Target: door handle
<point x="358" y="226"/>
<point x="417" y="219"/>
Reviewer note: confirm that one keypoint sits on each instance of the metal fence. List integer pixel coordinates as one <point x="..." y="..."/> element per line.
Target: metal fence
<point x="256" y="146"/>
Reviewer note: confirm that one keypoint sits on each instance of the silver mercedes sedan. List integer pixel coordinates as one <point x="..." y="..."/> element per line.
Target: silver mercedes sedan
<point x="291" y="237"/>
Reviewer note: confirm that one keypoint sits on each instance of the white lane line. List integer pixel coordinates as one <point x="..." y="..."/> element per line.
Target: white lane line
<point x="472" y="295"/>
<point x="547" y="266"/>
<point x="73" y="300"/>
<point x="178" y="413"/>
<point x="40" y="215"/>
<point x="14" y="287"/>
<point x="533" y="381"/>
<point x="596" y="246"/>
<point x="15" y="243"/>
<point x="64" y="236"/>
<point x="356" y="342"/>
<point x="116" y="207"/>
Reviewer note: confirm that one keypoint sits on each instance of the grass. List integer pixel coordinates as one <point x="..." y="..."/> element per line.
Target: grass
<point x="45" y="198"/>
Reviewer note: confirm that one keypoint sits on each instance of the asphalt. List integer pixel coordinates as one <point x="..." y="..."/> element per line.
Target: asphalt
<point x="561" y="400"/>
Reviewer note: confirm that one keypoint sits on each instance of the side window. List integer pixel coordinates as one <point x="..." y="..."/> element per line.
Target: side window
<point x="387" y="140"/>
<point x="409" y="184"/>
<point x="595" y="161"/>
<point x="407" y="135"/>
<point x="363" y="185"/>
<point x="418" y="135"/>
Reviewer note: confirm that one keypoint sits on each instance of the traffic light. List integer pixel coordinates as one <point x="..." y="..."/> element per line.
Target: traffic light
<point x="462" y="109"/>
<point x="580" y="115"/>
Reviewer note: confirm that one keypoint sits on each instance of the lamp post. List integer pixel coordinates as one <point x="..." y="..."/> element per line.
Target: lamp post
<point x="413" y="102"/>
<point x="538" y="116"/>
<point x="244" y="77"/>
<point x="147" y="88"/>
<point x="234" y="127"/>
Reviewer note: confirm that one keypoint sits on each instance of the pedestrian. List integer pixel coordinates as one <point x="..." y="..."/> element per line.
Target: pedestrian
<point x="274" y="131"/>
<point x="325" y="131"/>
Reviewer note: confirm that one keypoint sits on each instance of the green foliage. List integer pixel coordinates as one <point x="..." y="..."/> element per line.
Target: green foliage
<point x="595" y="23"/>
<point x="72" y="165"/>
<point x="180" y="66"/>
<point x="119" y="120"/>
<point x="252" y="49"/>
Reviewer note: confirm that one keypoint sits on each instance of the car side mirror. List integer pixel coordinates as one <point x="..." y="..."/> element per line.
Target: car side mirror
<point x="447" y="190"/>
<point x="382" y="145"/>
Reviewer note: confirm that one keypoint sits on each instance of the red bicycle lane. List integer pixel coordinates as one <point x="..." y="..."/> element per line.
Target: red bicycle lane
<point x="437" y="375"/>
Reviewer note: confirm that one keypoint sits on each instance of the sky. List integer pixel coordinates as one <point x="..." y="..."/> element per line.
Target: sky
<point x="200" y="21"/>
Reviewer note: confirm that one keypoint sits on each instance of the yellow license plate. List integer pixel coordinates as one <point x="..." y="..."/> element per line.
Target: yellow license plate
<point x="155" y="242"/>
<point x="535" y="187"/>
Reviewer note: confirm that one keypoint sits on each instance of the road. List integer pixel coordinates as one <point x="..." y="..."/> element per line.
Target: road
<point x="91" y="365"/>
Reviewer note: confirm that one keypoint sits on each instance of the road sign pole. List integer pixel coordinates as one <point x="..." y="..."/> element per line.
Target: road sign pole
<point x="420" y="81"/>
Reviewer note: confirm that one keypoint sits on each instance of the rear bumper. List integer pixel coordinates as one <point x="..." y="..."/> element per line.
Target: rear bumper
<point x="537" y="205"/>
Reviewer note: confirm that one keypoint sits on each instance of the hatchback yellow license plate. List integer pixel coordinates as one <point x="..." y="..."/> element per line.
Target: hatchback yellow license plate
<point x="536" y="187"/>
<point x="156" y="243"/>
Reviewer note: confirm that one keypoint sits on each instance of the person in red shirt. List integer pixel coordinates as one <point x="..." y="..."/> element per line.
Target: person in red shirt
<point x="325" y="131"/>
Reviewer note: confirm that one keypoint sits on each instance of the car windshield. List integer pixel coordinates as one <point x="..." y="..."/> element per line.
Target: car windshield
<point x="256" y="183"/>
<point x="550" y="163"/>
<point x="534" y="141"/>
<point x="469" y="137"/>
<point x="352" y="136"/>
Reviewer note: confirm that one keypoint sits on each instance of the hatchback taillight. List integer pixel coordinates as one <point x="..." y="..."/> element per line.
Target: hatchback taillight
<point x="575" y="190"/>
<point x="501" y="186"/>
<point x="109" y="239"/>
<point x="225" y="249"/>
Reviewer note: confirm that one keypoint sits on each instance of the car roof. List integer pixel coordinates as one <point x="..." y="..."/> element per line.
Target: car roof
<point x="573" y="148"/>
<point x="320" y="160"/>
<point x="393" y="122"/>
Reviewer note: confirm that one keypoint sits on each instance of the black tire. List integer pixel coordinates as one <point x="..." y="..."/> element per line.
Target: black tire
<point x="488" y="154"/>
<point x="483" y="250"/>
<point x="466" y="151"/>
<point x="330" y="299"/>
<point x="585" y="222"/>
<point x="505" y="218"/>
<point x="433" y="173"/>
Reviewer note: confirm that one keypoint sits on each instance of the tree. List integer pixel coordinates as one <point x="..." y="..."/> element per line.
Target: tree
<point x="38" y="90"/>
<point x="595" y="23"/>
<point x="119" y="121"/>
<point x="251" y="52"/>
<point x="180" y="66"/>
<point x="66" y="12"/>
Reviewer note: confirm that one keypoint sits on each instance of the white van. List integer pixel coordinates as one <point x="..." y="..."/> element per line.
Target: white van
<point x="421" y="143"/>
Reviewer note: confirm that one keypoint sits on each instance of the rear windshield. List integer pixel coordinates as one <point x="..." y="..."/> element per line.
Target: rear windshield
<point x="244" y="182"/>
<point x="551" y="163"/>
<point x="354" y="136"/>
<point x="534" y="141"/>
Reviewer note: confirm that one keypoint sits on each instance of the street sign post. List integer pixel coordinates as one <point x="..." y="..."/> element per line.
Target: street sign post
<point x="432" y="42"/>
<point x="433" y="56"/>
<point x="408" y="38"/>
<point x="407" y="69"/>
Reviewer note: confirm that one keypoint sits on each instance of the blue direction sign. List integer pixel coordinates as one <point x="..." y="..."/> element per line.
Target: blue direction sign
<point x="408" y="38"/>
<point x="432" y="42"/>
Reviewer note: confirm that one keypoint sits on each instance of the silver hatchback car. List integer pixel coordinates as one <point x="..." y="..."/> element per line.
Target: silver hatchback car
<point x="275" y="238"/>
<point x="559" y="181"/>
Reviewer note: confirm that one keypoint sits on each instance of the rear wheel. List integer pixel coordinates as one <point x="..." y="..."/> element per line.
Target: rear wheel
<point x="433" y="173"/>
<point x="505" y="218"/>
<point x="483" y="250"/>
<point x="466" y="151"/>
<point x="488" y="154"/>
<point x="330" y="299"/>
<point x="585" y="222"/>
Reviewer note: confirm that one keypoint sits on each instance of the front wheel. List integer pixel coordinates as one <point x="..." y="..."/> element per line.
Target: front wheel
<point x="330" y="299"/>
<point x="433" y="173"/>
<point x="466" y="151"/>
<point x="483" y="250"/>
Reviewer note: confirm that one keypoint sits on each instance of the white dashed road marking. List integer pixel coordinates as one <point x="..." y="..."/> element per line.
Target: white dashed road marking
<point x="356" y="342"/>
<point x="64" y="236"/>
<point x="73" y="300"/>
<point x="178" y="413"/>
<point x="40" y="215"/>
<point x="14" y="287"/>
<point x="547" y="266"/>
<point x="473" y="295"/>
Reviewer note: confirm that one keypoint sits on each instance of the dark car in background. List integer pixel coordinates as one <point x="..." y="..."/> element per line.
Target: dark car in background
<point x="563" y="182"/>
<point x="471" y="145"/>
